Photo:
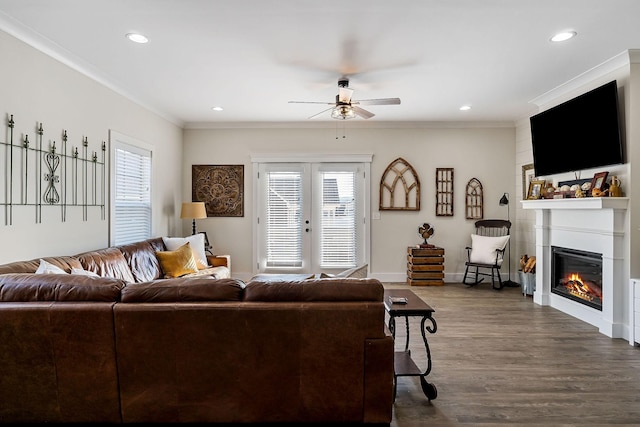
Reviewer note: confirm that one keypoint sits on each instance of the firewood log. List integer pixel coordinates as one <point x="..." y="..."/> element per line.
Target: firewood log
<point x="530" y="266"/>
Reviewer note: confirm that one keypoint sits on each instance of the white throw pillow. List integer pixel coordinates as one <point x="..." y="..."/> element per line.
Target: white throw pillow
<point x="48" y="268"/>
<point x="196" y="241"/>
<point x="83" y="272"/>
<point x="483" y="248"/>
<point x="359" y="272"/>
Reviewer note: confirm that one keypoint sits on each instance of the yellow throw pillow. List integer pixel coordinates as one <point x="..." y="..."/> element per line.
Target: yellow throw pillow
<point x="177" y="263"/>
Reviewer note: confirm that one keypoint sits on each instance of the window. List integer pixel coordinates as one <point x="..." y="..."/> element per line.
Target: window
<point x="130" y="190"/>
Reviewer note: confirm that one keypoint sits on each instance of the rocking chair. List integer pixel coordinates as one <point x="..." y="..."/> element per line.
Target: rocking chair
<point x="486" y="253"/>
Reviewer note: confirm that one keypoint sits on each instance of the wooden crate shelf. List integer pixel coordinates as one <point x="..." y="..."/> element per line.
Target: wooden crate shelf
<point x="425" y="266"/>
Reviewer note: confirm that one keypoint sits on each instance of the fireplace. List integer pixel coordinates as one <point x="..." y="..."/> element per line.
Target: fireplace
<point x="577" y="275"/>
<point x="596" y="224"/>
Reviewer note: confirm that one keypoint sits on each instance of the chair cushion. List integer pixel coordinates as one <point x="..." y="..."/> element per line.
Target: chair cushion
<point x="483" y="249"/>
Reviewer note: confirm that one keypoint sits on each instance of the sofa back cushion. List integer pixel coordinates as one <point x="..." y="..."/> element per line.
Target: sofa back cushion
<point x="23" y="287"/>
<point x="184" y="290"/>
<point x="64" y="262"/>
<point x="109" y="262"/>
<point x="142" y="260"/>
<point x="330" y="289"/>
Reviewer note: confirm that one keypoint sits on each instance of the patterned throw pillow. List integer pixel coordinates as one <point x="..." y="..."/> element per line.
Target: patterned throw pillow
<point x="177" y="263"/>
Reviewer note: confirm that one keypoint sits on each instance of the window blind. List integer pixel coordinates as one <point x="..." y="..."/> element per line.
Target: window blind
<point x="284" y="219"/>
<point x="132" y="203"/>
<point x="338" y="224"/>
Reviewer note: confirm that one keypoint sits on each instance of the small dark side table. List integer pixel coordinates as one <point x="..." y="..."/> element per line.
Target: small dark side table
<point x="404" y="364"/>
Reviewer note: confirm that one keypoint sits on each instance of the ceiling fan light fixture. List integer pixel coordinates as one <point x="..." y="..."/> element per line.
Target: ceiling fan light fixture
<point x="343" y="112"/>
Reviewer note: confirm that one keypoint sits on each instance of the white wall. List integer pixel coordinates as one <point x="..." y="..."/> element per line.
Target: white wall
<point x="485" y="153"/>
<point x="38" y="89"/>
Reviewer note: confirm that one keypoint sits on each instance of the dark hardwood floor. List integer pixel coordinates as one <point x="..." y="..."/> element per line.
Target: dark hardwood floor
<point x="501" y="360"/>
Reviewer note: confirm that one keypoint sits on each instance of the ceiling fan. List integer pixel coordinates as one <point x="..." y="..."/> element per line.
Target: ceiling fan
<point x="344" y="107"/>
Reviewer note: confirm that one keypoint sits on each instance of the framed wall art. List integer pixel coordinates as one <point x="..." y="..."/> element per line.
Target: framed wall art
<point x="444" y="191"/>
<point x="220" y="187"/>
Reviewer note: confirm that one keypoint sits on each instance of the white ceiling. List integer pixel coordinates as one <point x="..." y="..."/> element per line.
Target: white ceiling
<point x="253" y="56"/>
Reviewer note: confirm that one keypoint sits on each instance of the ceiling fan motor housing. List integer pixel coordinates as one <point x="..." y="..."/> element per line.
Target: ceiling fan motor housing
<point x="343" y="83"/>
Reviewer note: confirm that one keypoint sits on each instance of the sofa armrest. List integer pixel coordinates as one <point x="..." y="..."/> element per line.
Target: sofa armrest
<point x="219" y="261"/>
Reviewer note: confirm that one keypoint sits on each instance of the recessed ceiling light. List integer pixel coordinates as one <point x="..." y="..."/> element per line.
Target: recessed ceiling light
<point x="465" y="108"/>
<point x="137" y="38"/>
<point x="217" y="108"/>
<point x="563" y="36"/>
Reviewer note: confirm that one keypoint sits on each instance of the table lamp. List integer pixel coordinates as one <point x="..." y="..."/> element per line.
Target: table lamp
<point x="193" y="210"/>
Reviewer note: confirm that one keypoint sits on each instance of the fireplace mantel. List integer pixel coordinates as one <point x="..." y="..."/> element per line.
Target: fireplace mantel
<point x="596" y="224"/>
<point x="578" y="203"/>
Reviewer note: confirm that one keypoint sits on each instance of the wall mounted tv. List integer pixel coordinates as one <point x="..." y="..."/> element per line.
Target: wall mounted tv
<point x="581" y="133"/>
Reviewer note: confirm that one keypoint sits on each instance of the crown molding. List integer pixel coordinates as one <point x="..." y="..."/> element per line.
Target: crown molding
<point x="620" y="60"/>
<point x="39" y="42"/>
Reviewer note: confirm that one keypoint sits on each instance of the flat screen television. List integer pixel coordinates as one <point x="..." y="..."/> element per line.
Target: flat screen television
<point x="579" y="134"/>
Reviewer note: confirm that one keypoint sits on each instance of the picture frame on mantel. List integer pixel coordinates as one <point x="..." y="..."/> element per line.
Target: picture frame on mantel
<point x="599" y="180"/>
<point x="535" y="189"/>
<point x="528" y="175"/>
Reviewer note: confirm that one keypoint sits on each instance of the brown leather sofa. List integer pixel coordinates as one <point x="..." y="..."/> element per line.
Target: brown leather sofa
<point x="114" y="350"/>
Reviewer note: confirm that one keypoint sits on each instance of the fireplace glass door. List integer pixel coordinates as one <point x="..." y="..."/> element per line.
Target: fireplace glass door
<point x="577" y="275"/>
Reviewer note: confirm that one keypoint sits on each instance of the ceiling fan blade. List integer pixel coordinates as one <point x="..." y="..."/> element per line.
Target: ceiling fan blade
<point x="381" y="101"/>
<point x="323" y="111"/>
<point x="344" y="95"/>
<point x="362" y="112"/>
<point x="312" y="102"/>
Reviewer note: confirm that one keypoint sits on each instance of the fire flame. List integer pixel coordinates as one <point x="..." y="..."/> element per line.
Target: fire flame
<point x="575" y="277"/>
<point x="576" y="286"/>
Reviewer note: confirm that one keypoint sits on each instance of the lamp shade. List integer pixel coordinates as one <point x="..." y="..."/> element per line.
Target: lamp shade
<point x="504" y="200"/>
<point x="193" y="210"/>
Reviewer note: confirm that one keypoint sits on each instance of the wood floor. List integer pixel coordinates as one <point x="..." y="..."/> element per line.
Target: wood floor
<point x="501" y="360"/>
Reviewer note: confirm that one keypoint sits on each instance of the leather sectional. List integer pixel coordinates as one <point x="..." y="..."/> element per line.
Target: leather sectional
<point x="132" y="347"/>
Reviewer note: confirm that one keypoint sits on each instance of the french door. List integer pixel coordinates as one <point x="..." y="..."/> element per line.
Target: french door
<point x="311" y="217"/>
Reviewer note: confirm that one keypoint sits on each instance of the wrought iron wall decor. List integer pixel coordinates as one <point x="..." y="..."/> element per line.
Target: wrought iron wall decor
<point x="399" y="175"/>
<point x="475" y="198"/>
<point x="444" y="191"/>
<point x="43" y="174"/>
<point x="220" y="187"/>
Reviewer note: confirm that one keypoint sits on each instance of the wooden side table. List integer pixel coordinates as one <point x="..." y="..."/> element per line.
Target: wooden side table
<point x="404" y="365"/>
<point x="425" y="266"/>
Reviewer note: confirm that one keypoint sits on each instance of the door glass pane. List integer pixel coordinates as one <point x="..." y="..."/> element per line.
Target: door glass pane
<point x="338" y="220"/>
<point x="284" y="219"/>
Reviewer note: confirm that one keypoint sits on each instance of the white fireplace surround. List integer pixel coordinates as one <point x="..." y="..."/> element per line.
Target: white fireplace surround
<point x="594" y="224"/>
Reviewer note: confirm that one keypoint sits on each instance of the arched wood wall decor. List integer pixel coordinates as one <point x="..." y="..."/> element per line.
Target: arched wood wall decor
<point x="474" y="199"/>
<point x="444" y="191"/>
<point x="400" y="173"/>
